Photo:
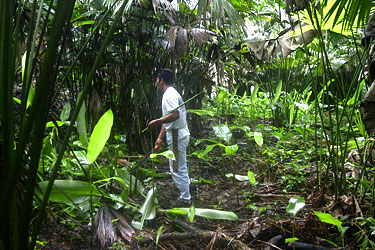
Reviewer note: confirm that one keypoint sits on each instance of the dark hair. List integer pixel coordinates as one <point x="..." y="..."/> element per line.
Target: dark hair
<point x="167" y="76"/>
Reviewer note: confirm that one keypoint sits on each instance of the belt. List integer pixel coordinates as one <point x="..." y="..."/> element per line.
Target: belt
<point x="175" y="149"/>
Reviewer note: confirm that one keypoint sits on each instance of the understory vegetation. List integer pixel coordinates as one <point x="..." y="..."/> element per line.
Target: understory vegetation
<point x="279" y="104"/>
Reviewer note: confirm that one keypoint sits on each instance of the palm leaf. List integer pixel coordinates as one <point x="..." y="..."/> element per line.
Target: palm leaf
<point x="171" y="35"/>
<point x="182" y="42"/>
<point x="356" y="12"/>
<point x="201" y="35"/>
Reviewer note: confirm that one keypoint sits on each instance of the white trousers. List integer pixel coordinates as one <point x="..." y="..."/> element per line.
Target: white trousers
<point x="181" y="178"/>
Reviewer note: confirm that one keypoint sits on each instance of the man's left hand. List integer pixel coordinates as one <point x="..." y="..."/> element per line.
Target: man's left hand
<point x="154" y="123"/>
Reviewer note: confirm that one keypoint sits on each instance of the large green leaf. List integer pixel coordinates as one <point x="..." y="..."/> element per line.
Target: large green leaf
<point x="206" y="213"/>
<point x="70" y="191"/>
<point x="148" y="209"/>
<point x="223" y="132"/>
<point x="100" y="136"/>
<point x="327" y="218"/>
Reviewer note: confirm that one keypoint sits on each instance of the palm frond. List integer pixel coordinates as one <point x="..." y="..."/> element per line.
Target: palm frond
<point x="356" y="12"/>
<point x="201" y="35"/>
<point x="182" y="42"/>
<point x="221" y="12"/>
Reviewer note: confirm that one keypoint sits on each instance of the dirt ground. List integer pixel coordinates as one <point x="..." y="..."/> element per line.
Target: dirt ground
<point x="263" y="221"/>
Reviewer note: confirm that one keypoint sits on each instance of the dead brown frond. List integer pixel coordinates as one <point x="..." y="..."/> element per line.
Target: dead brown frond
<point x="110" y="227"/>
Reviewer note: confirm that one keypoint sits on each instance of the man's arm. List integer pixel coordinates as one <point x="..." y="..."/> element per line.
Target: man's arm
<point x="166" y="119"/>
<point x="159" y="140"/>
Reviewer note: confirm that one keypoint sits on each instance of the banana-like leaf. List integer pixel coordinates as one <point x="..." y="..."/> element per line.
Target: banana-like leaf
<point x="223" y="132"/>
<point x="100" y="136"/>
<point x="70" y="191"/>
<point x="206" y="213"/>
<point x="148" y="209"/>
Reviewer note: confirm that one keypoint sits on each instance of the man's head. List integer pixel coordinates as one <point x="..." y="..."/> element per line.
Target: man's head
<point x="167" y="76"/>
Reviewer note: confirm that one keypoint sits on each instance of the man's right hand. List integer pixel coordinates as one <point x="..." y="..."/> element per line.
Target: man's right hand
<point x="158" y="143"/>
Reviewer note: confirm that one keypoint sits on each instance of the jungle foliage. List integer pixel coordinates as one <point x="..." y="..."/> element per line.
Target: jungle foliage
<point x="77" y="91"/>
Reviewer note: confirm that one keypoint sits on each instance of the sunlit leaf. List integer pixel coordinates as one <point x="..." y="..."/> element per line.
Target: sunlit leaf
<point x="223" y="132"/>
<point x="251" y="177"/>
<point x="17" y="100"/>
<point x="291" y="240"/>
<point x="206" y="213"/>
<point x="238" y="177"/>
<point x="148" y="209"/>
<point x="258" y="137"/>
<point x="160" y="230"/>
<point x="295" y="205"/>
<point x="51" y="124"/>
<point x="100" y="135"/>
<point x="327" y="218"/>
<point x="168" y="154"/>
<point x="191" y="213"/>
<point x="231" y="150"/>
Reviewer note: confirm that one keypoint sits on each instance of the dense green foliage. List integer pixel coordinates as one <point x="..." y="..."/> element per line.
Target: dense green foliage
<point x="77" y="91"/>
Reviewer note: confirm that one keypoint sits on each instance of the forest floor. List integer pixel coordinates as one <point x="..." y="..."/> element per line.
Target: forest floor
<point x="263" y="220"/>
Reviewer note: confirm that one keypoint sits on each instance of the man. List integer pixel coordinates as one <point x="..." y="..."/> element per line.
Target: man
<point x="174" y="127"/>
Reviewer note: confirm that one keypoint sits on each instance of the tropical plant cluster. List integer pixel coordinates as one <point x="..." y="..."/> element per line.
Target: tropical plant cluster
<point x="274" y="84"/>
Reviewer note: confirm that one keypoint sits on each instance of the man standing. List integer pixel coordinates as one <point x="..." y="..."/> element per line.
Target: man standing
<point x="174" y="127"/>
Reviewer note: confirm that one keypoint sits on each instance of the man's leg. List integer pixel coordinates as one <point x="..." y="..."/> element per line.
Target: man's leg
<point x="181" y="178"/>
